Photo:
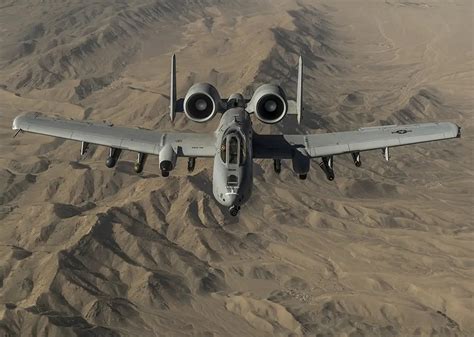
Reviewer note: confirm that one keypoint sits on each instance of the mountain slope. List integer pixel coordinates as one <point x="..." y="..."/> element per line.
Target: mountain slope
<point x="384" y="250"/>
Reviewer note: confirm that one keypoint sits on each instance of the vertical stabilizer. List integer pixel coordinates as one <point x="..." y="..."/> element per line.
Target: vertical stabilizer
<point x="299" y="91"/>
<point x="173" y="88"/>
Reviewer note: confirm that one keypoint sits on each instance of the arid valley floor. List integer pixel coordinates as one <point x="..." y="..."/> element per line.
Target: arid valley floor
<point x="384" y="250"/>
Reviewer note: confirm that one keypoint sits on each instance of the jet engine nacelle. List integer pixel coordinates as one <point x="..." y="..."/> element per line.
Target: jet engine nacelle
<point x="202" y="102"/>
<point x="269" y="103"/>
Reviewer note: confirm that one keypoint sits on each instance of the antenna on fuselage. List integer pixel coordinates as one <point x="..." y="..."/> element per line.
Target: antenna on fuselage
<point x="299" y="91"/>
<point x="173" y="88"/>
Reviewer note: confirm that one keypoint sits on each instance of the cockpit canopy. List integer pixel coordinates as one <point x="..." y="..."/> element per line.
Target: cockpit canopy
<point x="233" y="149"/>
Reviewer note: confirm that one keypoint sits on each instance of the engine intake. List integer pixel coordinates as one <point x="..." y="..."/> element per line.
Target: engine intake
<point x="202" y="102"/>
<point x="269" y="103"/>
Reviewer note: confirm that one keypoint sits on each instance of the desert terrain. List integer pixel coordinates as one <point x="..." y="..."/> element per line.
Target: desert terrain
<point x="384" y="250"/>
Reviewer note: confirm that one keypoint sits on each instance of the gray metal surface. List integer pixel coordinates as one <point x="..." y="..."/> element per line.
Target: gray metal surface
<point x="139" y="140"/>
<point x="326" y="144"/>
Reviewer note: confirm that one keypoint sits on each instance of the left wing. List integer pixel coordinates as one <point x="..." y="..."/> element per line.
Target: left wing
<point x="364" y="139"/>
<point x="133" y="139"/>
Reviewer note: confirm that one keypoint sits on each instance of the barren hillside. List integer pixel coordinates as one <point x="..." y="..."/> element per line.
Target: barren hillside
<point x="384" y="250"/>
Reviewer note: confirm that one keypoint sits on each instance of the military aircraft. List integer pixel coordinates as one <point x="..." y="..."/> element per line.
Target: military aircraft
<point x="234" y="145"/>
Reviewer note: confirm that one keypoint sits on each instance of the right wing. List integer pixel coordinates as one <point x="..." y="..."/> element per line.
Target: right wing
<point x="139" y="140"/>
<point x="364" y="139"/>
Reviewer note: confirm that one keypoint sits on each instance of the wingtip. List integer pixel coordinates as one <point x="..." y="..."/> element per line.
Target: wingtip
<point x="455" y="130"/>
<point x="20" y="122"/>
<point x="16" y="122"/>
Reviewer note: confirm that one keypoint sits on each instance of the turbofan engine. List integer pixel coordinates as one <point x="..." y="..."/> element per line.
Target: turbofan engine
<point x="202" y="102"/>
<point x="269" y="103"/>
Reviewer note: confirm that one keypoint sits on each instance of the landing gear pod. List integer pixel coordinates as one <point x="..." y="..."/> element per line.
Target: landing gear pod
<point x="301" y="164"/>
<point x="167" y="160"/>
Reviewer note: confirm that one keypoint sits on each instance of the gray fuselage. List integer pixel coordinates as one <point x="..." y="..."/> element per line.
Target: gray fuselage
<point x="233" y="162"/>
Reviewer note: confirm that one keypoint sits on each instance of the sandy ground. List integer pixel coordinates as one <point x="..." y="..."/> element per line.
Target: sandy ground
<point x="384" y="250"/>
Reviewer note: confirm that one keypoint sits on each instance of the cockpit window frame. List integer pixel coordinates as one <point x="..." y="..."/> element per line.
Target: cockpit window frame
<point x="241" y="148"/>
<point x="233" y="150"/>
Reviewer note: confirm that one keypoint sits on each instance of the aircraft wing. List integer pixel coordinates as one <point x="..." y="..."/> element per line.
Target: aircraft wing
<point x="370" y="138"/>
<point x="133" y="139"/>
